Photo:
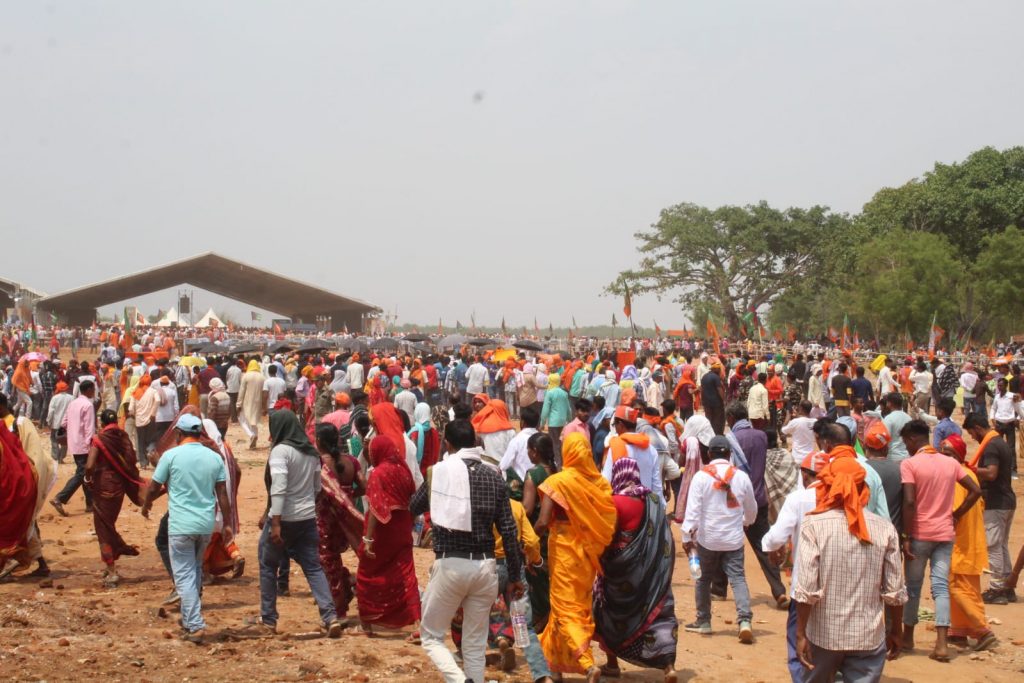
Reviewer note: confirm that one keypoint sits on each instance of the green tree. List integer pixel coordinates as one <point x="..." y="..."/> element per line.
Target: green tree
<point x="735" y="258"/>
<point x="1000" y="280"/>
<point x="965" y="202"/>
<point x="907" y="278"/>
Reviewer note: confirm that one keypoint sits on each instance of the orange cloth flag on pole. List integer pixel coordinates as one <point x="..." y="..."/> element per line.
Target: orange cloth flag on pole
<point x="713" y="333"/>
<point x="627" y="306"/>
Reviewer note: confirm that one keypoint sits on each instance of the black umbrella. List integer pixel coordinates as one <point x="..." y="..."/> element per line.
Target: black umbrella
<point x="421" y="348"/>
<point x="384" y="344"/>
<point x="453" y="340"/>
<point x="314" y="346"/>
<point x="280" y="347"/>
<point x="417" y="338"/>
<point x="528" y="345"/>
<point x="354" y="345"/>
<point x="244" y="348"/>
<point x="482" y="342"/>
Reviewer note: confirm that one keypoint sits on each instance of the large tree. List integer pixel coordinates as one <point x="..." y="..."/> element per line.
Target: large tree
<point x="912" y="276"/>
<point x="1000" y="280"/>
<point x="965" y="202"/>
<point x="734" y="258"/>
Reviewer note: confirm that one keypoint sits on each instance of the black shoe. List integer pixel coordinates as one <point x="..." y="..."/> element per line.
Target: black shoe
<point x="994" y="597"/>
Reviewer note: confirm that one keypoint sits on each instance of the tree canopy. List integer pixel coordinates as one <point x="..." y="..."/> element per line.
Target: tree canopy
<point x="732" y="259"/>
<point x="946" y="244"/>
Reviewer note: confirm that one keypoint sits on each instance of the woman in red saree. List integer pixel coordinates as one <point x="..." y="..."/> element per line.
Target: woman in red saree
<point x="338" y="520"/>
<point x="112" y="472"/>
<point x="17" y="501"/>
<point x="386" y="587"/>
<point x="377" y="393"/>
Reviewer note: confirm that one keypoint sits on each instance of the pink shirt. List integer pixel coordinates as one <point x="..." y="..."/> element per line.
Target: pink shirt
<point x="935" y="476"/>
<point x="576" y="426"/>
<point x="80" y="421"/>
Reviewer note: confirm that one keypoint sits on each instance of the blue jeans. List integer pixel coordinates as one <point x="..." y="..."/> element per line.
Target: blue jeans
<point x="731" y="562"/>
<point x="797" y="672"/>
<point x="939" y="555"/>
<point x="301" y="543"/>
<point x="533" y="652"/>
<point x="186" y="551"/>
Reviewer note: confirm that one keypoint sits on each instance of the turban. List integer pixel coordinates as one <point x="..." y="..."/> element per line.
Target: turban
<point x="842" y="486"/>
<point x="956" y="443"/>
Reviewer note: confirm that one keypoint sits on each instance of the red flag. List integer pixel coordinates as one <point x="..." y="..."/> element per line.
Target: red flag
<point x="627" y="306"/>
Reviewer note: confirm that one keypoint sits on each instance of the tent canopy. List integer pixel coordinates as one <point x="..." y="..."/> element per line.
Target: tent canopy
<point x="210" y="320"/>
<point x="169" y="318"/>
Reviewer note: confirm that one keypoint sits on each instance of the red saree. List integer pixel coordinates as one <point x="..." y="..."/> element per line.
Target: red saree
<point x="17" y="494"/>
<point x="115" y="475"/>
<point x="386" y="586"/>
<point x="340" y="525"/>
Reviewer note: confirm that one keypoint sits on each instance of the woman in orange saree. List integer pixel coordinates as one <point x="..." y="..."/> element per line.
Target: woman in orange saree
<point x="578" y="511"/>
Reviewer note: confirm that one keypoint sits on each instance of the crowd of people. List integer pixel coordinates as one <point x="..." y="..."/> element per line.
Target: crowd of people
<point x="547" y="486"/>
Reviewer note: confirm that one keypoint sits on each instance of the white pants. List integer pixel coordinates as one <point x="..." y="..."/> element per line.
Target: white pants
<point x="473" y="586"/>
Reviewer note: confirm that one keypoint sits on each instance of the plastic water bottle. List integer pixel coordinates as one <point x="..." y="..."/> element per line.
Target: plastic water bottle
<point x="694" y="564"/>
<point x="517" y="610"/>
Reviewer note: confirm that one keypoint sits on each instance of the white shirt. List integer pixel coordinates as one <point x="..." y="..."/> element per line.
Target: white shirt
<point x="166" y="411"/>
<point x="475" y="378"/>
<point x="787" y="525"/>
<point x="1004" y="408"/>
<point x="886" y="385"/>
<point x="516" y="456"/>
<point x="968" y="381"/>
<point x="274" y="386"/>
<point x="719" y="527"/>
<point x="355" y="375"/>
<point x="801" y="430"/>
<point x="922" y="381"/>
<point x="405" y="400"/>
<point x="234" y="379"/>
<point x="757" y="402"/>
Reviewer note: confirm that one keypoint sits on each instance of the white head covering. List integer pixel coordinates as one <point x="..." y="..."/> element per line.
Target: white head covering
<point x="421" y="414"/>
<point x="699" y="427"/>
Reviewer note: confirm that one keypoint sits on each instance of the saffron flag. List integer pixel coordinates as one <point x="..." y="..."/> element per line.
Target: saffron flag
<point x="713" y="333"/>
<point x="934" y="335"/>
<point x="846" y="332"/>
<point x="832" y="334"/>
<point x="627" y="306"/>
<point x="657" y="328"/>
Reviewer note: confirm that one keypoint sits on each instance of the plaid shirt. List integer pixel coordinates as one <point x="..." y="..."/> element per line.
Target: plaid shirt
<point x="48" y="380"/>
<point x="847" y="581"/>
<point x="488" y="499"/>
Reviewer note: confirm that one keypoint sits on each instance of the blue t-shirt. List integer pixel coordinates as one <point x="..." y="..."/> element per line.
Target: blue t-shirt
<point x="191" y="472"/>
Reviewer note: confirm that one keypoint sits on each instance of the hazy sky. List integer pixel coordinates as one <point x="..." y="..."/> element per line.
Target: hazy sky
<point x="447" y="157"/>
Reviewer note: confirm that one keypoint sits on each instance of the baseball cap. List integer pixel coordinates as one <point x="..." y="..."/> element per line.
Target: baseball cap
<point x="719" y="443"/>
<point x="627" y="414"/>
<point x="190" y="424"/>
<point x="814" y="461"/>
<point x="877" y="436"/>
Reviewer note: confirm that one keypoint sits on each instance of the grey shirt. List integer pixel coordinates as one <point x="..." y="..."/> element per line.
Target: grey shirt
<point x="294" y="483"/>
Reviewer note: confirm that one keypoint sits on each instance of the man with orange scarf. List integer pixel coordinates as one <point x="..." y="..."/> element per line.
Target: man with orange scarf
<point x="848" y="567"/>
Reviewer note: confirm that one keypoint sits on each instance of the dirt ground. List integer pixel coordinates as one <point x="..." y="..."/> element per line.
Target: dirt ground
<point x="71" y="628"/>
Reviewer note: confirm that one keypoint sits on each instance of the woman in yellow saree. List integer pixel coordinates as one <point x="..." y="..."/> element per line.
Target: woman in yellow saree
<point x="578" y="511"/>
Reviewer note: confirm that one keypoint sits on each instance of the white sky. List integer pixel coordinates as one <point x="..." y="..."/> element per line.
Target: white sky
<point x="339" y="142"/>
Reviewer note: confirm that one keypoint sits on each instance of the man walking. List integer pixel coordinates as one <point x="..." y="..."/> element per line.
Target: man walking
<point x="720" y="503"/>
<point x="80" y="424"/>
<point x="195" y="478"/>
<point x="467" y="500"/>
<point x="289" y="529"/>
<point x="929" y="485"/>
<point x="847" y="568"/>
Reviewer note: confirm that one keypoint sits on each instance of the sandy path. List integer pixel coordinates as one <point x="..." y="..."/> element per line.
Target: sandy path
<point x="76" y="629"/>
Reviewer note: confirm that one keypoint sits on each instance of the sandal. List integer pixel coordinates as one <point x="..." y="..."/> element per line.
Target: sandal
<point x="414" y="638"/>
<point x="939" y="658"/>
<point x="611" y="671"/>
